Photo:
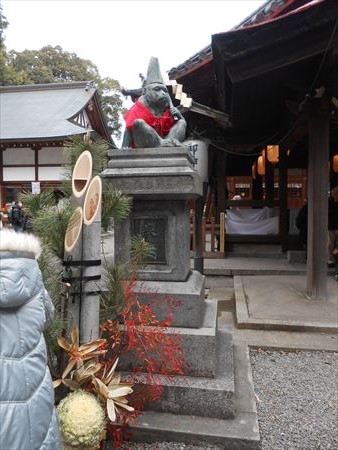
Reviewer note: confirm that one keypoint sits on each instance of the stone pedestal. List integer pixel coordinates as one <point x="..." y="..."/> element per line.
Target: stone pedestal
<point x="165" y="224"/>
<point x="161" y="181"/>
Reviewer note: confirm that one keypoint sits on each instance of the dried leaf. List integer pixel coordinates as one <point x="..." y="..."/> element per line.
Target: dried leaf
<point x="69" y="367"/>
<point x="124" y="405"/>
<point x="91" y="346"/>
<point x="112" y="370"/>
<point x="63" y="343"/>
<point x="115" y="380"/>
<point x="57" y="383"/>
<point x="75" y="336"/>
<point x="120" y="392"/>
<point x="101" y="388"/>
<point x="91" y="369"/>
<point x="111" y="410"/>
<point x="71" y="384"/>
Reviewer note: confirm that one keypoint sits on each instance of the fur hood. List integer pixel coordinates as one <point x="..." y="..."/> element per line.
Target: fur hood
<point x="11" y="241"/>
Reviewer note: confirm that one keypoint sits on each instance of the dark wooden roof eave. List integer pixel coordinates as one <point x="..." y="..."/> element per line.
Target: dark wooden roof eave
<point x="279" y="42"/>
<point x="266" y="12"/>
<point x="254" y="65"/>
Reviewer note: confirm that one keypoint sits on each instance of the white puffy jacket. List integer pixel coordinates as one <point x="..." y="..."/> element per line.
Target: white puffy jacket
<point x="28" y="419"/>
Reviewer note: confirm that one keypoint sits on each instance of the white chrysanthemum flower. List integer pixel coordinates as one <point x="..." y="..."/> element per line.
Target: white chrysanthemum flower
<point x="82" y="419"/>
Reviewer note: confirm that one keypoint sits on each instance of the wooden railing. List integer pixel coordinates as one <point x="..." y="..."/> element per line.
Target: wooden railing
<point x="213" y="235"/>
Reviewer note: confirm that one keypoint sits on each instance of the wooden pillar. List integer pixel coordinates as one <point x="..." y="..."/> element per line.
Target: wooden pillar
<point x="257" y="188"/>
<point x="317" y="207"/>
<point x="283" y="197"/>
<point x="36" y="163"/>
<point x="221" y="183"/>
<point x="269" y="183"/>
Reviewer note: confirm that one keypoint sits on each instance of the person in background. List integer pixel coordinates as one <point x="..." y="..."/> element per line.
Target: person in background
<point x="332" y="237"/>
<point x="9" y="212"/>
<point x="17" y="217"/>
<point x="301" y="224"/>
<point x="236" y="198"/>
<point x="28" y="418"/>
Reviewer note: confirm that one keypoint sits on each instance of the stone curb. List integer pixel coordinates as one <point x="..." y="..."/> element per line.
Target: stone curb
<point x="237" y="272"/>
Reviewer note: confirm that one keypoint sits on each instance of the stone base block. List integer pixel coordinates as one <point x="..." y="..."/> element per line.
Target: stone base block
<point x="239" y="433"/>
<point x="189" y="294"/>
<point x="199" y="345"/>
<point x="201" y="396"/>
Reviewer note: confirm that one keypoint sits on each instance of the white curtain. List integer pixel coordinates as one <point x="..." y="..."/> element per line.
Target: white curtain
<point x="252" y="221"/>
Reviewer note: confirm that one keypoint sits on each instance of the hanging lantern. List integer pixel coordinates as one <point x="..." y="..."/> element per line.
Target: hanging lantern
<point x="253" y="171"/>
<point x="288" y="152"/>
<point x="272" y="153"/>
<point x="261" y="165"/>
<point x="335" y="163"/>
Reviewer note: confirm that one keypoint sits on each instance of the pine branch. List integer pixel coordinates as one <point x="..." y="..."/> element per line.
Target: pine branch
<point x="98" y="149"/>
<point x="114" y="205"/>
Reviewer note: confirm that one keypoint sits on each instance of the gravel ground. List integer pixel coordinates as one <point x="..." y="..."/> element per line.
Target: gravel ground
<point x="297" y="400"/>
<point x="296" y="396"/>
<point x="168" y="446"/>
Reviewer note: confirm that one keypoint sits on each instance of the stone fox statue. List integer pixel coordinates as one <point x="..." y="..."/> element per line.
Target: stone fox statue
<point x="153" y="121"/>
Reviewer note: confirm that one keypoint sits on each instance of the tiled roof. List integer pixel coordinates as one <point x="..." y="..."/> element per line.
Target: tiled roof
<point x="36" y="112"/>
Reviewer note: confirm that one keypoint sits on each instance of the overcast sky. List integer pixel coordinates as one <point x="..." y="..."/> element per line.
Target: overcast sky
<point x="119" y="37"/>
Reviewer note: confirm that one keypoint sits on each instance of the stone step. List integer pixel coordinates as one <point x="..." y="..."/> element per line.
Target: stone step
<point x="254" y="248"/>
<point x="200" y="396"/>
<point x="239" y="433"/>
<point x="255" y="254"/>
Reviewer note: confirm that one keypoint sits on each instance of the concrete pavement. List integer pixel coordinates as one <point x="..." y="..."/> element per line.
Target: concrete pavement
<point x="280" y="302"/>
<point x="263" y="301"/>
